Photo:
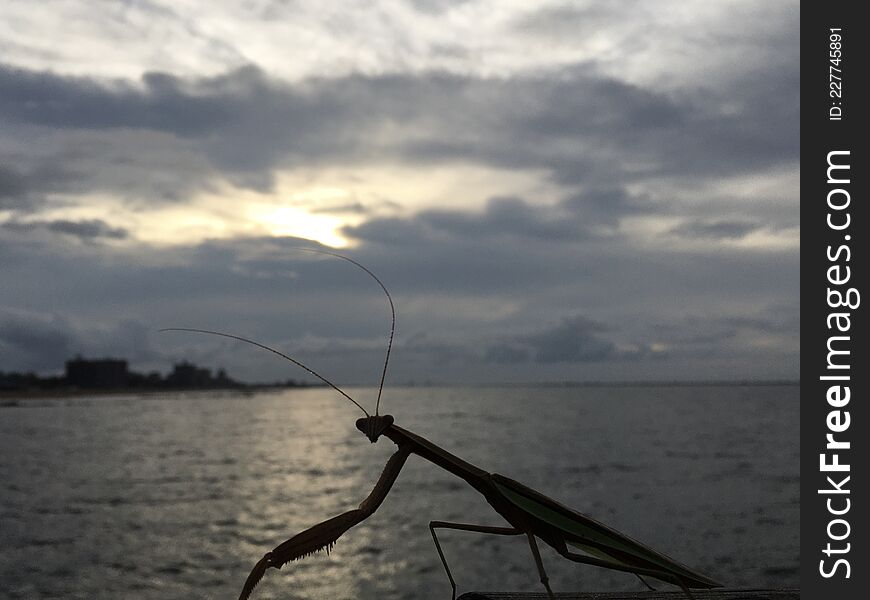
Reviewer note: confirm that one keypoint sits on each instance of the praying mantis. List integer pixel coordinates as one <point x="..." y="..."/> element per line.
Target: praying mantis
<point x="528" y="513"/>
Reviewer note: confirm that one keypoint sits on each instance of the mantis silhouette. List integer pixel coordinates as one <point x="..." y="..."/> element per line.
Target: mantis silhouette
<point x="528" y="513"/>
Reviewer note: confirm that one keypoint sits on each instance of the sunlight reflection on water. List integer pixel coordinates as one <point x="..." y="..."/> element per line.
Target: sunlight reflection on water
<point x="178" y="495"/>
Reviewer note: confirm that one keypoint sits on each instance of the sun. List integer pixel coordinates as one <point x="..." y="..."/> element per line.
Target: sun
<point x="297" y="222"/>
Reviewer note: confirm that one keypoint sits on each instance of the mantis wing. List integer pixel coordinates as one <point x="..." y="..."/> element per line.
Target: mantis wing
<point x="594" y="538"/>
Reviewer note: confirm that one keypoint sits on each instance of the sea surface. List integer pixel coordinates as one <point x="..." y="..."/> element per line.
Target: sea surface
<point x="178" y="495"/>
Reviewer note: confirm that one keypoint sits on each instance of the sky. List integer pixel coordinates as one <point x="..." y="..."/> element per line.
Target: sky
<point x="552" y="191"/>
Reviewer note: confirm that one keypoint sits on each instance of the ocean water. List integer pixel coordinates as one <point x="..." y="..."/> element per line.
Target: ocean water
<point x="177" y="496"/>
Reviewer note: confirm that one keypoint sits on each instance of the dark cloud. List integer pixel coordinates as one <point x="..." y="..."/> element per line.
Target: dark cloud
<point x="24" y="189"/>
<point x="43" y="341"/>
<point x="580" y="126"/>
<point x="607" y="205"/>
<point x="356" y="208"/>
<point x="435" y="6"/>
<point x="507" y="353"/>
<point x="458" y="299"/>
<point x="12" y="184"/>
<point x="502" y="216"/>
<point x="572" y="21"/>
<point x="722" y="335"/>
<point x="437" y="350"/>
<point x="64" y="102"/>
<point x="715" y="230"/>
<point x="575" y="339"/>
<point x="36" y="341"/>
<point x="579" y="217"/>
<point x="86" y="230"/>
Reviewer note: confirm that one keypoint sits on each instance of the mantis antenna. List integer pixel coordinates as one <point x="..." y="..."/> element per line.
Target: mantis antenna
<point x="308" y="369"/>
<point x="281" y="354"/>
<point x="392" y="314"/>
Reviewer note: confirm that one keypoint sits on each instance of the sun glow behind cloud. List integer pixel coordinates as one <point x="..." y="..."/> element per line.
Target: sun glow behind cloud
<point x="296" y="222"/>
<point x="209" y="217"/>
<point x="242" y="213"/>
<point x="314" y="204"/>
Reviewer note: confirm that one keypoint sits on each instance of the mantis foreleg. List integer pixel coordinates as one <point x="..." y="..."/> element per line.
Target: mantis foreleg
<point x="433" y="525"/>
<point x="323" y="535"/>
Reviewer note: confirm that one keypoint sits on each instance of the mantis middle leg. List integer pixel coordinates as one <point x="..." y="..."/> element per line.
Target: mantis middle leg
<point x="433" y="525"/>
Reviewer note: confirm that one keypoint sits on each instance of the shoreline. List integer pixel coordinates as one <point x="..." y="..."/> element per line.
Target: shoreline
<point x="41" y="393"/>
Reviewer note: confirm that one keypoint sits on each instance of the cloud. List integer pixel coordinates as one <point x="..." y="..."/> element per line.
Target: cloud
<point x="511" y="216"/>
<point x="568" y="21"/>
<point x="507" y="353"/>
<point x="469" y="308"/>
<point x="25" y="189"/>
<point x="350" y="208"/>
<point x="85" y="230"/>
<point x="42" y="98"/>
<point x="595" y="213"/>
<point x="575" y="339"/>
<point x="12" y="183"/>
<point x="581" y="126"/>
<point x="714" y="230"/>
<point x="42" y="341"/>
<point x="35" y="340"/>
<point x="436" y="6"/>
<point x="665" y="43"/>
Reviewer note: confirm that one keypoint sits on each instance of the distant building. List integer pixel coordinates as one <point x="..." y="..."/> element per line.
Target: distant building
<point x="113" y="375"/>
<point x="90" y="374"/>
<point x="188" y="375"/>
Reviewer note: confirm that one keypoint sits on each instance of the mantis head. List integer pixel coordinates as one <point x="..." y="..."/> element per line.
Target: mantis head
<point x="373" y="427"/>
